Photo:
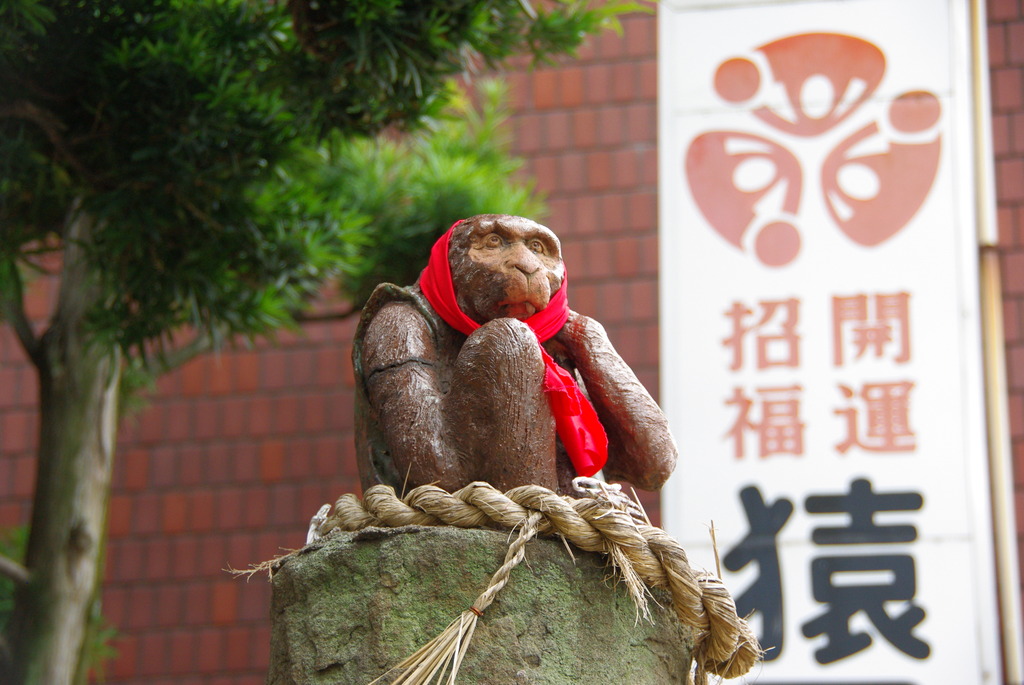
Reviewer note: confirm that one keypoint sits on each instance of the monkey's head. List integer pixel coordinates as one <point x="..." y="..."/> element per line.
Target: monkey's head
<point x="504" y="266"/>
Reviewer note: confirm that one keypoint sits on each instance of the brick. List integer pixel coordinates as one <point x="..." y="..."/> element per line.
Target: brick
<point x="260" y="413"/>
<point x="234" y="414"/>
<point x="329" y="362"/>
<point x="142" y="601"/>
<point x="123" y="666"/>
<point x="135" y="470"/>
<point x="237" y="648"/>
<point x="175" y="513"/>
<point x="640" y="36"/>
<point x="209" y="650"/>
<point x="246" y="463"/>
<point x="545" y="89"/>
<point x="271" y="461"/>
<point x="9" y="395"/>
<point x="573" y="86"/>
<point x="152" y="660"/>
<point x="586" y="216"/>
<point x="1006" y="89"/>
<point x="274" y="370"/>
<point x="1001" y="10"/>
<point x="623" y="82"/>
<point x="284" y="502"/>
<point x="178" y="420"/>
<point x="286" y="415"/>
<point x="219" y="461"/>
<point x="146" y="510"/>
<point x="6" y="477"/>
<point x="313" y="412"/>
<point x="545" y="170"/>
<point x="163" y="466"/>
<point x="224" y="602"/>
<point x="597" y="83"/>
<point x="519" y="89"/>
<point x="184" y="556"/>
<point x="1011" y="321"/>
<point x="610" y="45"/>
<point x="556" y="131"/>
<point x="572" y="169"/>
<point x="247" y="371"/>
<point x="151" y="425"/>
<point x="997" y="53"/>
<point x="599" y="166"/>
<point x="158" y="558"/>
<point x="1015" y="364"/>
<point x="131" y="564"/>
<point x="193" y="376"/>
<point x="1013" y="272"/>
<point x="119" y="516"/>
<point x="624" y="171"/>
<point x="642" y="212"/>
<point x="612" y="210"/>
<point x="17" y="429"/>
<point x="24" y="475"/>
<point x="220" y="379"/>
<point x="647" y="80"/>
<point x="182" y="652"/>
<point x="584" y="128"/>
<point x="231" y="508"/>
<point x="528" y="134"/>
<point x="170" y="605"/>
<point x="642" y="123"/>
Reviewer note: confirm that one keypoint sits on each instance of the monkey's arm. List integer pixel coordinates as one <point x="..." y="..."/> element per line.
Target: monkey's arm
<point x="401" y="370"/>
<point x="641" y="449"/>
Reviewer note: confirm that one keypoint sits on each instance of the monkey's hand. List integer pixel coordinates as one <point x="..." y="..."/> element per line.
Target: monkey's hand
<point x="641" y="449"/>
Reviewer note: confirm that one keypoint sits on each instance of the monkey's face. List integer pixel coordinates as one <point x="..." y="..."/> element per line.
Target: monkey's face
<point x="504" y="266"/>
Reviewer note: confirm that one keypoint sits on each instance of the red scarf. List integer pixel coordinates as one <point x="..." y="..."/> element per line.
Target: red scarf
<point x="575" y="419"/>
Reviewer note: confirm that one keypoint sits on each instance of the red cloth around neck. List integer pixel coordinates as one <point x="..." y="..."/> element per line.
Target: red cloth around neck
<point x="576" y="421"/>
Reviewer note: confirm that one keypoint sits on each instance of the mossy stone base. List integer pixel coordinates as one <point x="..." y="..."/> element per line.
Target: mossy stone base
<point x="355" y="604"/>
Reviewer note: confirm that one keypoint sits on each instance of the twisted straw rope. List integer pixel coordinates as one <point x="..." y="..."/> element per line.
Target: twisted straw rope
<point x="724" y="643"/>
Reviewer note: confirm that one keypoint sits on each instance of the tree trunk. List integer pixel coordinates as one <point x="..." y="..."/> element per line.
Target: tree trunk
<point x="78" y="385"/>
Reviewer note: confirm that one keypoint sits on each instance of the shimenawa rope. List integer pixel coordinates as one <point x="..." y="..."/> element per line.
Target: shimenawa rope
<point x="724" y="645"/>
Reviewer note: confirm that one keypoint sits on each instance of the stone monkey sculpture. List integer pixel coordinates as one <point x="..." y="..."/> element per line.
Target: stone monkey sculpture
<point x="436" y="404"/>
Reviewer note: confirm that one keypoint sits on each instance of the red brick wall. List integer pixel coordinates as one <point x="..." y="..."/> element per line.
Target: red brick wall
<point x="236" y="451"/>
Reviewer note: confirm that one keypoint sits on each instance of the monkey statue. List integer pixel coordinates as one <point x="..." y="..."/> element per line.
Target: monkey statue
<point x="473" y="374"/>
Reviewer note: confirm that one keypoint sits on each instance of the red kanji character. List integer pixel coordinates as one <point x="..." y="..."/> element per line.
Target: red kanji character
<point x="891" y="315"/>
<point x="887" y="426"/>
<point x="780" y="430"/>
<point x="778" y="347"/>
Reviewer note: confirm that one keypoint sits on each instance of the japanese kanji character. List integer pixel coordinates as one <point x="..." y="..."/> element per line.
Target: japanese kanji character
<point x="760" y="546"/>
<point x="780" y="430"/>
<point x="862" y="503"/>
<point x="845" y="598"/>
<point x="779" y="346"/>
<point x="891" y="316"/>
<point x="887" y="426"/>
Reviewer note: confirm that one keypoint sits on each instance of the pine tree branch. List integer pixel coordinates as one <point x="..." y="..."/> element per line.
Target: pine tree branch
<point x="13" y="570"/>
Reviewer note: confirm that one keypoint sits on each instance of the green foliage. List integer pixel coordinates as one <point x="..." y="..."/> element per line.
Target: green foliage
<point x="410" y="190"/>
<point x="386" y="61"/>
<point x="183" y="127"/>
<point x="12" y="546"/>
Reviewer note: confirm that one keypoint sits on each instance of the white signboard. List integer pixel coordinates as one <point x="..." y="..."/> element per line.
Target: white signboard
<point x="821" y="355"/>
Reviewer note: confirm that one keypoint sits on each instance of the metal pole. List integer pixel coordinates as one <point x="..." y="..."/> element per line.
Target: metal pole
<point x="994" y="352"/>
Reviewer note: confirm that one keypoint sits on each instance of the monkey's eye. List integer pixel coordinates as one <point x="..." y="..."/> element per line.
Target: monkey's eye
<point x="493" y="240"/>
<point x="536" y="246"/>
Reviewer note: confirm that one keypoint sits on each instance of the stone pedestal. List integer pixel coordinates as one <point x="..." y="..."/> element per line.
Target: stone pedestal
<point x="355" y="604"/>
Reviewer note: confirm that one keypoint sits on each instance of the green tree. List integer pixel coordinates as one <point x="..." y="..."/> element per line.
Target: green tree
<point x="161" y="159"/>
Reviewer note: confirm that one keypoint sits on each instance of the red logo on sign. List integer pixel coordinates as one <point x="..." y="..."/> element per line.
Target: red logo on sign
<point x="749" y="186"/>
